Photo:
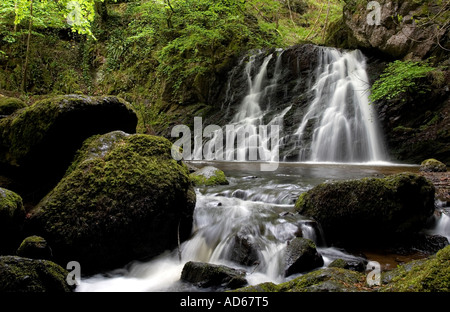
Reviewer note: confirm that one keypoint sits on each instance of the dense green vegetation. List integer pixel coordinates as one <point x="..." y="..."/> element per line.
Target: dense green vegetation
<point x="402" y="77"/>
<point x="153" y="53"/>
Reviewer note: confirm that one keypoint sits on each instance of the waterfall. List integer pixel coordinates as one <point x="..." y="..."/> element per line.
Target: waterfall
<point x="340" y="125"/>
<point x="322" y="109"/>
<point x="248" y="122"/>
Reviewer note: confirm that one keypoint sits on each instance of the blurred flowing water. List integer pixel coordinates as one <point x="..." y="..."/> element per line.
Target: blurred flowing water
<point x="256" y="205"/>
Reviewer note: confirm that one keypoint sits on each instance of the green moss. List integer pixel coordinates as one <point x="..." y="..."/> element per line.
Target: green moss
<point x="398" y="204"/>
<point x="21" y="133"/>
<point x="328" y="279"/>
<point x="433" y="165"/>
<point x="34" y="247"/>
<point x="432" y="275"/>
<point x="123" y="198"/>
<point x="209" y="176"/>
<point x="26" y="275"/>
<point x="9" y="105"/>
<point x="11" y="206"/>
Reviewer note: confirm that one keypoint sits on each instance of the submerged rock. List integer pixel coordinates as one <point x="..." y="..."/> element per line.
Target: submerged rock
<point x="432" y="165"/>
<point x="19" y="274"/>
<point x="369" y="211"/>
<point x="301" y="255"/>
<point x="211" y="275"/>
<point x="209" y="176"/>
<point x="12" y="217"/>
<point x="123" y="198"/>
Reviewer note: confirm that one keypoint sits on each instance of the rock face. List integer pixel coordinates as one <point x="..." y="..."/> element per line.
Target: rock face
<point x="301" y="255"/>
<point x="209" y="176"/>
<point x="12" y="217"/>
<point x="38" y="143"/>
<point x="210" y="275"/>
<point x="27" y="275"/>
<point x="371" y="210"/>
<point x="404" y="28"/>
<point x="124" y="198"/>
<point x="433" y="165"/>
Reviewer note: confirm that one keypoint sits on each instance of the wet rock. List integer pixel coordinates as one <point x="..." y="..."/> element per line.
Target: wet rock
<point x="370" y="211"/>
<point x="12" y="217"/>
<point x="301" y="255"/>
<point x="209" y="176"/>
<point x="123" y="198"/>
<point x="207" y="275"/>
<point x="245" y="250"/>
<point x="19" y="274"/>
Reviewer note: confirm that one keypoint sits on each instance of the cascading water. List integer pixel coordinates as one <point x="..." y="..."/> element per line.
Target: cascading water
<point x="340" y="125"/>
<point x="336" y="123"/>
<point x="250" y="115"/>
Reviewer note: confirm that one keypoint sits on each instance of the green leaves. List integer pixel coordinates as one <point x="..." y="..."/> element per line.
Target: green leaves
<point x="400" y="77"/>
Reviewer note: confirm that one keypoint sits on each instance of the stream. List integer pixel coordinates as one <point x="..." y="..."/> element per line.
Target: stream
<point x="259" y="206"/>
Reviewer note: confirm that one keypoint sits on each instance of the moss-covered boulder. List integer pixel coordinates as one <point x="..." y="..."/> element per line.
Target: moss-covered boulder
<point x="38" y="143"/>
<point x="34" y="247"/>
<point x="301" y="255"/>
<point x="124" y="198"/>
<point x="207" y="275"/>
<point x="19" y="274"/>
<point x="432" y="165"/>
<point x="12" y="217"/>
<point x="209" y="176"/>
<point x="431" y="275"/>
<point x="9" y="105"/>
<point x="369" y="211"/>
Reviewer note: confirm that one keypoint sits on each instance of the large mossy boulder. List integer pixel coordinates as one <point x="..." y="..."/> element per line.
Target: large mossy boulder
<point x="124" y="198"/>
<point x="19" y="274"/>
<point x="371" y="210"/>
<point x="38" y="143"/>
<point x="12" y="217"/>
<point x="207" y="275"/>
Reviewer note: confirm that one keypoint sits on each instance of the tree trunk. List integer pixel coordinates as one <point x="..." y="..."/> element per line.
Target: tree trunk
<point x="27" y="54"/>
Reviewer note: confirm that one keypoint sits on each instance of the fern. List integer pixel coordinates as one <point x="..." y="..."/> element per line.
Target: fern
<point x="401" y="77"/>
